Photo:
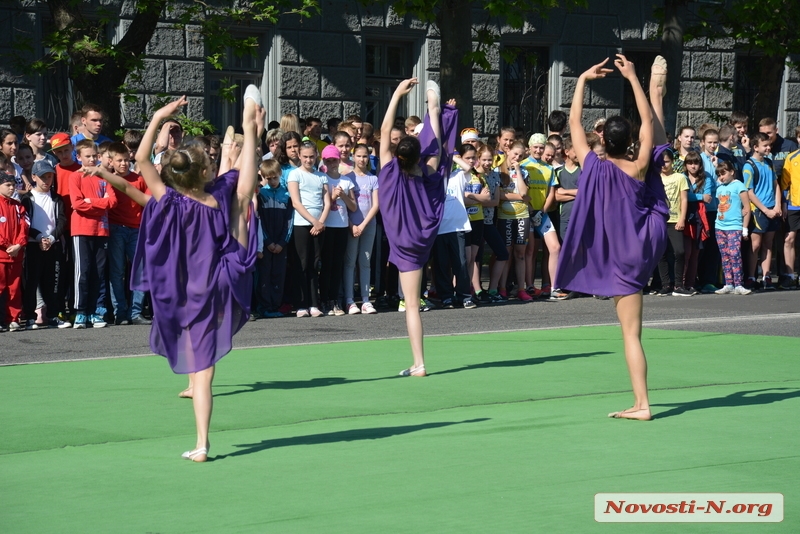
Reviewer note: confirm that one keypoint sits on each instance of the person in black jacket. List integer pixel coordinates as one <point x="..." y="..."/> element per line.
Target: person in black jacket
<point x="44" y="253"/>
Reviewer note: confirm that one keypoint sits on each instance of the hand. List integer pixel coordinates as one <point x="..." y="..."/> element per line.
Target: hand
<point x="317" y="228"/>
<point x="276" y="248"/>
<point x="356" y="230"/>
<point x="597" y="71"/>
<point x="270" y="247"/>
<point x="337" y="192"/>
<point x="625" y="67"/>
<point x="260" y="255"/>
<point x="680" y="225"/>
<point x="13" y="250"/>
<point x="87" y="200"/>
<point x="406" y="86"/>
<point x="777" y="212"/>
<point x="745" y="143"/>
<point x="451" y="102"/>
<point x="170" y="109"/>
<point x="91" y="171"/>
<point x="714" y="161"/>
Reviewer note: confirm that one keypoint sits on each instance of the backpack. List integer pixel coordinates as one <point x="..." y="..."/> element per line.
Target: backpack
<point x="756" y="174"/>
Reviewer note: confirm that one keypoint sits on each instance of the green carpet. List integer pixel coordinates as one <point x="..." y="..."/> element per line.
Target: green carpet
<point x="508" y="434"/>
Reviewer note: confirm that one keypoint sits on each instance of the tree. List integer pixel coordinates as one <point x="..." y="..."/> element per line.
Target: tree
<point x="454" y="20"/>
<point x="99" y="68"/>
<point x="767" y="27"/>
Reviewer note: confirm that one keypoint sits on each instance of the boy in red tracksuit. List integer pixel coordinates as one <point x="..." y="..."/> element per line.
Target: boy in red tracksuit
<point x="91" y="198"/>
<point x="13" y="238"/>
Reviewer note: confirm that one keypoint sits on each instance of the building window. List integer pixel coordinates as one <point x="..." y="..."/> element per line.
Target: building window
<point x="642" y="60"/>
<point x="239" y="71"/>
<point x="387" y="63"/>
<point x="745" y="89"/>
<point x="525" y="86"/>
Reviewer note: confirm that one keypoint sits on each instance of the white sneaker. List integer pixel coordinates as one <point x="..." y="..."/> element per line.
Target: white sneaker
<point x="741" y="291"/>
<point x="315" y="312"/>
<point x="14" y="326"/>
<point x="725" y="290"/>
<point x="402" y="306"/>
<point x="302" y="312"/>
<point x="368" y="308"/>
<point x="352" y="309"/>
<point x="31" y="325"/>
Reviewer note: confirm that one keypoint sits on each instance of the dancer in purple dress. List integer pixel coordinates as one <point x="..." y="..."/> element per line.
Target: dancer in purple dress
<point x="411" y="195"/>
<point x="196" y="253"/>
<point x="618" y="229"/>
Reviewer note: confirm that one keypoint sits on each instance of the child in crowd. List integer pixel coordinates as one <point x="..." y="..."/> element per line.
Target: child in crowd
<point x="700" y="189"/>
<point x="677" y="190"/>
<point x="275" y="214"/>
<point x="765" y="197"/>
<point x="311" y="201"/>
<point x="411" y="124"/>
<point x="344" y="144"/>
<point x="491" y="235"/>
<point x="684" y="144"/>
<point x="132" y="139"/>
<point x="733" y="219"/>
<point x="709" y="257"/>
<point x="450" y="247"/>
<point x="504" y="139"/>
<point x="334" y="246"/>
<point x="289" y="154"/>
<point x="725" y="149"/>
<point x="361" y="238"/>
<point x="273" y="143"/>
<point x="36" y="138"/>
<point x="44" y="267"/>
<point x="513" y="217"/>
<point x="25" y="159"/>
<point x="558" y="146"/>
<point x="14" y="225"/>
<point x="790" y="183"/>
<point x="476" y="195"/>
<point x="9" y="147"/>
<point x="124" y="220"/>
<point x="91" y="198"/>
<point x="566" y="184"/>
<point x="549" y="154"/>
<point x="741" y="141"/>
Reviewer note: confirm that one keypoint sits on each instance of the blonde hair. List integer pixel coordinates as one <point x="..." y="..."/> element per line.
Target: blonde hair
<point x="290" y="123"/>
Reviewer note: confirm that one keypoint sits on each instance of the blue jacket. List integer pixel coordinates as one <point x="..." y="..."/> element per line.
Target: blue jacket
<point x="275" y="211"/>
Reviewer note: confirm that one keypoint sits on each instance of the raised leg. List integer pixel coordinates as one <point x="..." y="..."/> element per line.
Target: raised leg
<point x="658" y="88"/>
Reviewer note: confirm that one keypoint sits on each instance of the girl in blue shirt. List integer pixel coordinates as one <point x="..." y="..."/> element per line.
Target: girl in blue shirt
<point x="733" y="218"/>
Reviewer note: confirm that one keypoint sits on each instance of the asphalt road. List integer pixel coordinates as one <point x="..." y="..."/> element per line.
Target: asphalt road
<point x="775" y="313"/>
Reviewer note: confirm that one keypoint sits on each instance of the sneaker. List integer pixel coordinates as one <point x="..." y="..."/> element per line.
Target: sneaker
<point x="496" y="298"/>
<point x="14" y="326"/>
<point x="786" y="282"/>
<point x="708" y="289"/>
<point x="664" y="292"/>
<point x="725" y="290"/>
<point x="401" y="306"/>
<point x="425" y="305"/>
<point x="97" y="321"/>
<point x="368" y="308"/>
<point x="523" y="296"/>
<point x="143" y="321"/>
<point x="3" y="328"/>
<point x="503" y="293"/>
<point x="58" y="322"/>
<point x="337" y="311"/>
<point x="682" y="292"/>
<point x="315" y="312"/>
<point x="545" y="292"/>
<point x="484" y="297"/>
<point x="302" y="312"/>
<point x="557" y="294"/>
<point x="31" y="325"/>
<point x="469" y="303"/>
<point x="767" y="284"/>
<point x="750" y="283"/>
<point x="741" y="291"/>
<point x="353" y="309"/>
<point x="80" y="321"/>
<point x="121" y="322"/>
<point x="447" y="304"/>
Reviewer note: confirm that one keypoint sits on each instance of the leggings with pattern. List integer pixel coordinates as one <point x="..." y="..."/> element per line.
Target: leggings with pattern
<point x="730" y="248"/>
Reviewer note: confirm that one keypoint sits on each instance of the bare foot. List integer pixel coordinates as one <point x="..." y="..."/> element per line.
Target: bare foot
<point x="186" y="393"/>
<point x="640" y="414"/>
<point x="658" y="76"/>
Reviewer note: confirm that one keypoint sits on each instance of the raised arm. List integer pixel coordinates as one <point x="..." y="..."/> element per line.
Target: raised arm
<point x="143" y="163"/>
<point x="120" y="184"/>
<point x="626" y="68"/>
<point x="576" y="130"/>
<point x="402" y="90"/>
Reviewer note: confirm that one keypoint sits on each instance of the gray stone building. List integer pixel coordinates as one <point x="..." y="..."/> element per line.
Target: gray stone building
<point x="349" y="59"/>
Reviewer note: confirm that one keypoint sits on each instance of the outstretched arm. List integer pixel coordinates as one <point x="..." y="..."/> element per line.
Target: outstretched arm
<point x="145" y="166"/>
<point x="577" y="133"/>
<point x="628" y="72"/>
<point x="402" y="90"/>
<point x="119" y="183"/>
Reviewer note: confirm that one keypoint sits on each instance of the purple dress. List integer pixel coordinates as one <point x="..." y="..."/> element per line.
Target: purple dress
<point x="199" y="276"/>
<point x="412" y="206"/>
<point x="617" y="231"/>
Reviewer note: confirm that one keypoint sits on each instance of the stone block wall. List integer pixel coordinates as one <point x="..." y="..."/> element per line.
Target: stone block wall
<point x="18" y="93"/>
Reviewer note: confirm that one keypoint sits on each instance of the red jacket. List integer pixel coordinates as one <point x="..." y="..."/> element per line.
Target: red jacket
<point x="127" y="212"/>
<point x="90" y="218"/>
<point x="14" y="226"/>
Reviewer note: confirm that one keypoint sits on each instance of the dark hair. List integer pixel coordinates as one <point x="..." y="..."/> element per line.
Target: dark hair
<point x="283" y="159"/>
<point x="186" y="166"/>
<point x="361" y="145"/>
<point x="341" y="135"/>
<point x="555" y="137"/>
<point x="567" y="139"/>
<point x="557" y="121"/>
<point x="24" y="147"/>
<point x="33" y="126"/>
<point x="758" y="137"/>
<point x="466" y="147"/>
<point x="132" y="139"/>
<point x="309" y="120"/>
<point x="738" y="117"/>
<point x="408" y="152"/>
<point x="5" y="133"/>
<point x="700" y="181"/>
<point x="88" y="108"/>
<point x="617" y="135"/>
<point x="726" y="132"/>
<point x="507" y="129"/>
<point x="710" y="131"/>
<point x="333" y="123"/>
<point x="726" y="165"/>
